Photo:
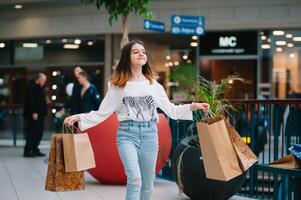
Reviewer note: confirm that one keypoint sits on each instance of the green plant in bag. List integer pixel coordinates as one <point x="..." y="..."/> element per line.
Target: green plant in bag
<point x="214" y="94"/>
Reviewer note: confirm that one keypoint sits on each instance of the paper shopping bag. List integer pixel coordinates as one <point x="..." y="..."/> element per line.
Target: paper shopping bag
<point x="244" y="154"/>
<point x="78" y="152"/>
<point x="219" y="156"/>
<point x="287" y="162"/>
<point x="57" y="179"/>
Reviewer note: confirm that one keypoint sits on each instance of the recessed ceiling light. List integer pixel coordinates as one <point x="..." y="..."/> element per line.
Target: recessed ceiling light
<point x="168" y="57"/>
<point x="194" y="37"/>
<point x="280" y="43"/>
<point x="279" y="49"/>
<point x="292" y="55"/>
<point x="90" y="43"/>
<point x="265" y="46"/>
<point x="176" y="63"/>
<point x="297" y="39"/>
<point x="18" y="6"/>
<point x="30" y="45"/>
<point x="71" y="46"/>
<point x="194" y="44"/>
<point x="185" y="57"/>
<point x="48" y="41"/>
<point x="278" y="32"/>
<point x="263" y="37"/>
<point x="2" y="45"/>
<point x="64" y="40"/>
<point x="290" y="45"/>
<point x="77" y="41"/>
<point x="289" y="35"/>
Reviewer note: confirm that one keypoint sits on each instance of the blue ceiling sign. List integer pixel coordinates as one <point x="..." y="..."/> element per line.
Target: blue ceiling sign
<point x="187" y="25"/>
<point x="154" y="25"/>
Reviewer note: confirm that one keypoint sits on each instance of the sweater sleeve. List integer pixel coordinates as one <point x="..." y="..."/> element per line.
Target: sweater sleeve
<point x="106" y="108"/>
<point x="172" y="110"/>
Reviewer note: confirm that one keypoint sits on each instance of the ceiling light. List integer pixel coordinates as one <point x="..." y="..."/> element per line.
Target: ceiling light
<point x="280" y="43"/>
<point x="30" y="45"/>
<point x="2" y="45"/>
<point x="64" y="40"/>
<point x="194" y="37"/>
<point x="292" y="55"/>
<point x="185" y="57"/>
<point x="297" y="39"/>
<point x="278" y="32"/>
<point x="168" y="57"/>
<point x="53" y="97"/>
<point x="54" y="87"/>
<point x="289" y="35"/>
<point x="279" y="49"/>
<point x="77" y="41"/>
<point x="170" y="64"/>
<point x="194" y="44"/>
<point x="48" y="41"/>
<point x="290" y="45"/>
<point x="269" y="40"/>
<point x="188" y="61"/>
<point x="53" y="110"/>
<point x="54" y="73"/>
<point x="18" y="6"/>
<point x="263" y="37"/>
<point x="176" y="63"/>
<point x="71" y="46"/>
<point x="90" y="43"/>
<point x="265" y="46"/>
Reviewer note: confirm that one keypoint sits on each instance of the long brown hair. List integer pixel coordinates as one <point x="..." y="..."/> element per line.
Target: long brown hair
<point x="123" y="71"/>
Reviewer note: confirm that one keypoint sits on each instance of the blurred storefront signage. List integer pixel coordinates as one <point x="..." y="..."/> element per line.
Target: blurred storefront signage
<point x="187" y="25"/>
<point x="229" y="43"/>
<point x="154" y="26"/>
<point x="23" y="53"/>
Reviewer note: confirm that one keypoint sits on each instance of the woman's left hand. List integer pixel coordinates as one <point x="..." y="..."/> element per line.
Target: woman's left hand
<point x="199" y="106"/>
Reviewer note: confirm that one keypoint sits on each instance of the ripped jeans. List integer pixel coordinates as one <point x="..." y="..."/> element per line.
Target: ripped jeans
<point x="137" y="144"/>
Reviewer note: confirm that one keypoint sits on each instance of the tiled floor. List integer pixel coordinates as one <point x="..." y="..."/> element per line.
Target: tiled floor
<point x="24" y="179"/>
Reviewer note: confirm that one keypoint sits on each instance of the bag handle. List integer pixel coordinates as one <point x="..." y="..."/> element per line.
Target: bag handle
<point x="70" y="129"/>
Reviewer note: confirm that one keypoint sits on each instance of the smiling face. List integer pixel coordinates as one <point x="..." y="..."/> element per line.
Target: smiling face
<point x="138" y="55"/>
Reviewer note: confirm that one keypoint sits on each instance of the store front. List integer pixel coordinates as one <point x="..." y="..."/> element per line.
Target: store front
<point x="230" y="53"/>
<point x="281" y="66"/>
<point x="56" y="57"/>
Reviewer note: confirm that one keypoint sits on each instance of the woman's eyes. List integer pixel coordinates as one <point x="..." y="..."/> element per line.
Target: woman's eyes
<point x="135" y="52"/>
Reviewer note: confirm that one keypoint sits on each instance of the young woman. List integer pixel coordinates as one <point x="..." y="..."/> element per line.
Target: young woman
<point x="134" y="95"/>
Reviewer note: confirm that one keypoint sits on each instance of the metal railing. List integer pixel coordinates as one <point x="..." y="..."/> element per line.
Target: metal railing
<point x="269" y="127"/>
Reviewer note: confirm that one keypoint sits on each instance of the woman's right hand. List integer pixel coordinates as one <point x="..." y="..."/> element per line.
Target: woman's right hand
<point x="69" y="121"/>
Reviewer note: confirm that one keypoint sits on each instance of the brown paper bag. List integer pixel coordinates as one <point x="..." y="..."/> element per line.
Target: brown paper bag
<point x="245" y="155"/>
<point x="219" y="155"/>
<point x="57" y="179"/>
<point x="287" y="162"/>
<point x="78" y="152"/>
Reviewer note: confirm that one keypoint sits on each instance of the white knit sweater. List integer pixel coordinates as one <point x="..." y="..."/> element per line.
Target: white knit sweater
<point x="137" y="101"/>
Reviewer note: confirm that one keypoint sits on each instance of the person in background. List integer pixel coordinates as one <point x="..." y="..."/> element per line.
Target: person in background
<point x="90" y="98"/>
<point x="134" y="95"/>
<point x="75" y="101"/>
<point x="35" y="109"/>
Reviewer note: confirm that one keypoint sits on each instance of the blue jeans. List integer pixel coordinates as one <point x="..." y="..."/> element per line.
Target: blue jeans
<point x="137" y="144"/>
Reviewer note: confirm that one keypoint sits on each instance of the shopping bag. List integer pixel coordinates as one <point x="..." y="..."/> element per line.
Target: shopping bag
<point x="287" y="162"/>
<point x="219" y="156"/>
<point x="244" y="154"/>
<point x="78" y="152"/>
<point x="57" y="179"/>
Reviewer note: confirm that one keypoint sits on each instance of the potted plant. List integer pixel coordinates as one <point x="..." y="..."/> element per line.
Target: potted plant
<point x="188" y="166"/>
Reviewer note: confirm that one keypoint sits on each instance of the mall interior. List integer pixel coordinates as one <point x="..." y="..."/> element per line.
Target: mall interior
<point x="258" y="41"/>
